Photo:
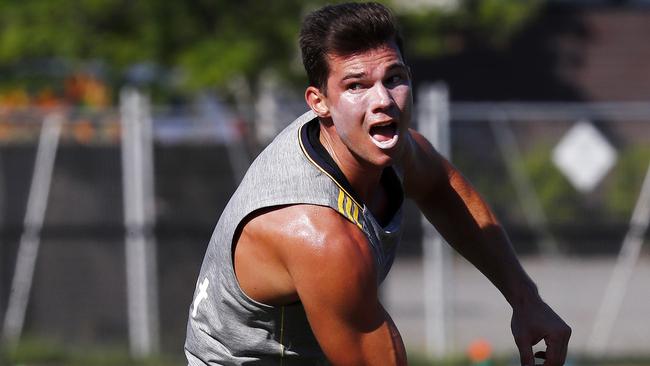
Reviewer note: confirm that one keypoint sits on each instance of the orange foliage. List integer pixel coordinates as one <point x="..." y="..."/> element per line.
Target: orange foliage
<point x="83" y="131"/>
<point x="78" y="89"/>
<point x="87" y="90"/>
<point x="5" y="131"/>
<point x="14" y="99"/>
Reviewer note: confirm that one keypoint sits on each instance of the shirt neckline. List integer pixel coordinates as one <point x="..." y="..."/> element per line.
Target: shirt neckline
<point x="309" y="135"/>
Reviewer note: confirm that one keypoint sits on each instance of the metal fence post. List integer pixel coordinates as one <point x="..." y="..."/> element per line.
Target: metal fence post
<point x="618" y="282"/>
<point x="31" y="237"/>
<point x="433" y="123"/>
<point x="138" y="193"/>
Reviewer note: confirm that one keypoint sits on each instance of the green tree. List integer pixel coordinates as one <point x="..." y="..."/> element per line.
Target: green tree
<point x="435" y="31"/>
<point x="208" y="42"/>
<point x="221" y="44"/>
<point x="624" y="186"/>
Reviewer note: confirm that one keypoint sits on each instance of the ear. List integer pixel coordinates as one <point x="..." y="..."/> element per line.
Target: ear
<point x="317" y="102"/>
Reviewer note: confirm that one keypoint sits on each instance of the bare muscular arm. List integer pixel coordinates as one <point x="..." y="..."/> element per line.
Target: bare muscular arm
<point x="315" y="255"/>
<point x="459" y="213"/>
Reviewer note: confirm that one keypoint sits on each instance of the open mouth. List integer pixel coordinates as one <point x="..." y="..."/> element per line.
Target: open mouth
<point x="384" y="136"/>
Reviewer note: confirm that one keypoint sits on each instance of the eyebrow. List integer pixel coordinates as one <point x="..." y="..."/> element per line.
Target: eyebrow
<point x="354" y="75"/>
<point x="359" y="75"/>
<point x="397" y="65"/>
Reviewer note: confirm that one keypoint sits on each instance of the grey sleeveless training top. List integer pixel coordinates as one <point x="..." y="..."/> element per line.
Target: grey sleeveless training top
<point x="225" y="326"/>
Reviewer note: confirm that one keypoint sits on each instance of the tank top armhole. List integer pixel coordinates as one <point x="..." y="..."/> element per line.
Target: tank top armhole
<point x="230" y="270"/>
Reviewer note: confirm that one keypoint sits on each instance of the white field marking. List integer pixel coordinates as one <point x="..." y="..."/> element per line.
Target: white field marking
<point x="203" y="294"/>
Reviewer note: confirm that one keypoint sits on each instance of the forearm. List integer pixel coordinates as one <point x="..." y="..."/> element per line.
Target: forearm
<point x="470" y="227"/>
<point x="464" y="219"/>
<point x="490" y="251"/>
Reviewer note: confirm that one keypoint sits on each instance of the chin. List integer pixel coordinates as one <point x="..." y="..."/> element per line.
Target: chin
<point x="384" y="154"/>
<point x="382" y="159"/>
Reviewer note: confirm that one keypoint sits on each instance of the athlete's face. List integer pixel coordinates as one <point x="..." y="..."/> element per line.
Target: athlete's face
<point x="369" y="103"/>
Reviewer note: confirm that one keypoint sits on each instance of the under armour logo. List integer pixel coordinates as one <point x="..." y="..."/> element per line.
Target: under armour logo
<point x="203" y="294"/>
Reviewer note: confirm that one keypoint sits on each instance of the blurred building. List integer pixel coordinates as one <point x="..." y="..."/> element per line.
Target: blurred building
<point x="573" y="51"/>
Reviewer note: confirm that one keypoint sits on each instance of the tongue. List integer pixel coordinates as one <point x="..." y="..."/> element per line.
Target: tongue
<point x="383" y="133"/>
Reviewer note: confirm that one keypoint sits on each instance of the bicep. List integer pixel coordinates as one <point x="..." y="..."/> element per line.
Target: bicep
<point x="337" y="285"/>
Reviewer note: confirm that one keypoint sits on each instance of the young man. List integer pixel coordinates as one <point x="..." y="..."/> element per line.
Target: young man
<point x="291" y="272"/>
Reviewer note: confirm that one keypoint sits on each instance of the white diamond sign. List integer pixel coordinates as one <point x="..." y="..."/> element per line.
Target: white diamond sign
<point x="584" y="156"/>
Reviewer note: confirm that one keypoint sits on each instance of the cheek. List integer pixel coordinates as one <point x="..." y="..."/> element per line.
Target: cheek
<point x="347" y="113"/>
<point x="350" y="104"/>
<point x="402" y="96"/>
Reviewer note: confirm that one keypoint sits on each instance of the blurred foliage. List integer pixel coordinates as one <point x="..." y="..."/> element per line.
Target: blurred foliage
<point x="612" y="200"/>
<point x="627" y="176"/>
<point x="473" y="24"/>
<point x="559" y="199"/>
<point x="197" y="44"/>
<point x="206" y="42"/>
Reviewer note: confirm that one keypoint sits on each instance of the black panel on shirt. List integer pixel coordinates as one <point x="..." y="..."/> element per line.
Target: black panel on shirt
<point x="310" y="136"/>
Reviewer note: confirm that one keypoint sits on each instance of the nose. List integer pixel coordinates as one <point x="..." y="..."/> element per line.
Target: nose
<point x="381" y="98"/>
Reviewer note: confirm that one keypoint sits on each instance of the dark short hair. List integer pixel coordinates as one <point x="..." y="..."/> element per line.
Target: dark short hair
<point x="343" y="30"/>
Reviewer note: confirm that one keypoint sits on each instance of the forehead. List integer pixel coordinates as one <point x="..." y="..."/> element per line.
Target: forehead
<point x="366" y="61"/>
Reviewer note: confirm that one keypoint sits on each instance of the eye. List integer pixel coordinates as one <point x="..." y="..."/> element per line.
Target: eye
<point x="354" y="86"/>
<point x="395" y="79"/>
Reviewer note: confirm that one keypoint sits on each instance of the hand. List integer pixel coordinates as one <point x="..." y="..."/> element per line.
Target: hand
<point x="533" y="322"/>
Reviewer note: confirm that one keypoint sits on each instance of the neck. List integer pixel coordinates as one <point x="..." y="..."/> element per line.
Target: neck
<point x="363" y="177"/>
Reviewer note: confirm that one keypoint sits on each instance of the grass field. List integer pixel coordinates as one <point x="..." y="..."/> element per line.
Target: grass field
<point x="41" y="353"/>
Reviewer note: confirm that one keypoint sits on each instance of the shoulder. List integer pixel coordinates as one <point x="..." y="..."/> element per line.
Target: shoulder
<point x="327" y="258"/>
<point x="315" y="244"/>
<point x="300" y="250"/>
<point x="423" y="166"/>
<point x="308" y="231"/>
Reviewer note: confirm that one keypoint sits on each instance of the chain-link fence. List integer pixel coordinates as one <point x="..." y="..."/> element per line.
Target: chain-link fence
<point x="569" y="235"/>
<point x="566" y="181"/>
